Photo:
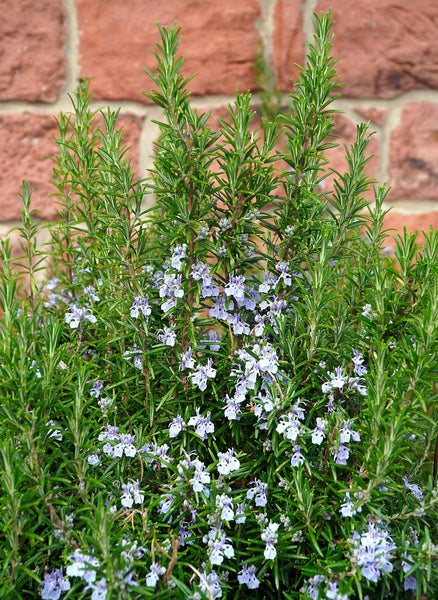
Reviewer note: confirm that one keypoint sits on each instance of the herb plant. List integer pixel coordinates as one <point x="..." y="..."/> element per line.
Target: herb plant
<point x="232" y="394"/>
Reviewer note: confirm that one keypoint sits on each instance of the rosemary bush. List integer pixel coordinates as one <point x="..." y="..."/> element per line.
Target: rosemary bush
<point x="232" y="394"/>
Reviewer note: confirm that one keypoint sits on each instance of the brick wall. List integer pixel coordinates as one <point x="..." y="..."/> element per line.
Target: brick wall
<point x="389" y="65"/>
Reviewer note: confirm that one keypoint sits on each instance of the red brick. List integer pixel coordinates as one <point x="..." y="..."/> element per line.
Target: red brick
<point x="387" y="47"/>
<point x="395" y="221"/>
<point x="32" y="61"/>
<point x="288" y="42"/>
<point x="413" y="166"/>
<point x="117" y="40"/>
<point x="30" y="141"/>
<point x="372" y="114"/>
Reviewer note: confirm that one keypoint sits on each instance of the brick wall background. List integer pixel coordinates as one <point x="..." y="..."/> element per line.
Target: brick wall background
<point x="389" y="64"/>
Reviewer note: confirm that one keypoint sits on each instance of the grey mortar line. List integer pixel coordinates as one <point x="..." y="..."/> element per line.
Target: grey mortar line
<point x="265" y="28"/>
<point x="71" y="47"/>
<point x="308" y="8"/>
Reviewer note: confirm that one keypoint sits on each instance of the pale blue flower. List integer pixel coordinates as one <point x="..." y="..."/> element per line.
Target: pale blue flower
<point x="247" y="576"/>
<point x="53" y="585"/>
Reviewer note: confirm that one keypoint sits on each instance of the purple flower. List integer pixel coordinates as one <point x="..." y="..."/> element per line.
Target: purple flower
<point x="202" y="373"/>
<point x="247" y="575"/>
<point x="200" y="478"/>
<point x="227" y="462"/>
<point x="167" y="336"/>
<point x="176" y="426"/>
<point x="232" y="407"/>
<point x="218" y="545"/>
<point x="93" y="460"/>
<point x="270" y="536"/>
<point x="125" y="446"/>
<point x="358" y="359"/>
<point x="83" y="565"/>
<point x="53" y="585"/>
<point x="154" y="575"/>
<point x="297" y="457"/>
<point x="131" y="494"/>
<point x="345" y="433"/>
<point x="413" y="488"/>
<point x="341" y="455"/>
<point x="203" y="425"/>
<point x="77" y="315"/>
<point x="318" y="433"/>
<point x="225" y="505"/>
<point x="258" y="492"/>
<point x="347" y="507"/>
<point x="96" y="389"/>
<point x="235" y="287"/>
<point x="187" y="361"/>
<point x="209" y="582"/>
<point x="156" y="456"/>
<point x="289" y="426"/>
<point x="371" y="551"/>
<point x="140" y="304"/>
<point x="178" y="255"/>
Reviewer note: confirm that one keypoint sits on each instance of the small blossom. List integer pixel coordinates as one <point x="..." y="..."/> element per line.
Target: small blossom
<point x="270" y="536"/>
<point x="358" y="359"/>
<point x="187" y="361"/>
<point x="83" y="565"/>
<point x="346" y="433"/>
<point x="202" y="373"/>
<point x="367" y="311"/>
<point x="247" y="576"/>
<point x="235" y="287"/>
<point x="318" y="433"/>
<point x="200" y="478"/>
<point x="225" y="505"/>
<point x="227" y="462"/>
<point x="154" y="575"/>
<point x="131" y="494"/>
<point x="99" y="590"/>
<point x="53" y="433"/>
<point x="218" y="545"/>
<point x="258" y="492"/>
<point x="209" y="582"/>
<point x="413" y="488"/>
<point x="176" y="426"/>
<point x="297" y="457"/>
<point x="97" y="389"/>
<point x="53" y="585"/>
<point x="178" y="255"/>
<point x="371" y="551"/>
<point x="125" y="446"/>
<point x="77" y="315"/>
<point x="289" y="427"/>
<point x="347" y="507"/>
<point x="203" y="425"/>
<point x="141" y="305"/>
<point x="240" y="514"/>
<point x="167" y="336"/>
<point x="341" y="455"/>
<point x="93" y="459"/>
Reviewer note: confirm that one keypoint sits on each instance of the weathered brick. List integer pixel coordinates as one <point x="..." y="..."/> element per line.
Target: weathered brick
<point x="117" y="40"/>
<point x="413" y="164"/>
<point x="395" y="221"/>
<point x="387" y="47"/>
<point x="30" y="143"/>
<point x="372" y="114"/>
<point x="32" y="61"/>
<point x="287" y="41"/>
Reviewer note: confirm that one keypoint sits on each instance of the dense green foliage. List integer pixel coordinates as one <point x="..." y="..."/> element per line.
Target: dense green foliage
<point x="231" y="394"/>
